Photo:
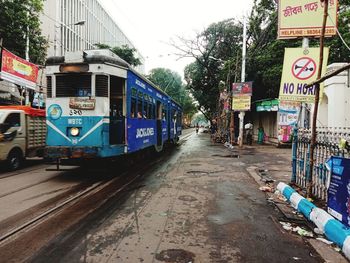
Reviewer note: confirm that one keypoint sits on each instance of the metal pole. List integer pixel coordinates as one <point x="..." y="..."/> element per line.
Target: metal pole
<point x="317" y="98"/>
<point x="27" y="58"/>
<point x="242" y="113"/>
<point x="305" y="45"/>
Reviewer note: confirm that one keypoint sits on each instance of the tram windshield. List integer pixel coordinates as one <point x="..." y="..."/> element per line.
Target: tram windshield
<point x="73" y="85"/>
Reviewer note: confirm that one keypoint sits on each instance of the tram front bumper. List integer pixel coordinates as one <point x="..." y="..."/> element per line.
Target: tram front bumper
<point x="55" y="152"/>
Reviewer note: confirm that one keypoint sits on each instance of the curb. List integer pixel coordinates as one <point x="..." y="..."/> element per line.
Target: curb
<point x="332" y="228"/>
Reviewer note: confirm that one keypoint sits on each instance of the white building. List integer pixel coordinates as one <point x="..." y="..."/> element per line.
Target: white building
<point x="334" y="108"/>
<point x="72" y="25"/>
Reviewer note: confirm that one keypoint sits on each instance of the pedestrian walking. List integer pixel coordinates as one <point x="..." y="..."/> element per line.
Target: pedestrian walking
<point x="213" y="130"/>
<point x="197" y="128"/>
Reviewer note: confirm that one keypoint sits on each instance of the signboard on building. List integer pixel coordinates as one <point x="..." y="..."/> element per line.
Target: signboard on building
<point x="300" y="67"/>
<point x="241" y="96"/>
<point x="241" y="103"/>
<point x="17" y="70"/>
<point x="243" y="88"/>
<point x="303" y="18"/>
<point x="267" y="105"/>
<point x="288" y="114"/>
<point x="339" y="189"/>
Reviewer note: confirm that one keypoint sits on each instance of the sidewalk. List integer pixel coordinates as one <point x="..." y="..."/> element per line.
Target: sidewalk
<point x="275" y="164"/>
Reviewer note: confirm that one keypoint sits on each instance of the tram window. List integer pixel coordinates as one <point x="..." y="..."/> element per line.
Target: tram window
<point x="144" y="110"/>
<point x="101" y="86"/>
<point x="150" y="111"/>
<point x="133" y="108"/>
<point x="179" y="118"/>
<point x="164" y="116"/>
<point x="73" y="85"/>
<point x="173" y="115"/>
<point x="139" y="109"/>
<point x="49" y="87"/>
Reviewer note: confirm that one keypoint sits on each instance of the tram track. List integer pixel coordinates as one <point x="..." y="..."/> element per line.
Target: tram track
<point x="83" y="194"/>
<point x="97" y="194"/>
<point x="24" y="170"/>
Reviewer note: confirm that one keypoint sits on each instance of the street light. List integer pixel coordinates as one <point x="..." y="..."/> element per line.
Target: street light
<point x="78" y="23"/>
<point x="216" y="59"/>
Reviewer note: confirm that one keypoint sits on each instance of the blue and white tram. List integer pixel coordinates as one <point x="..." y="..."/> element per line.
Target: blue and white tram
<point x="97" y="107"/>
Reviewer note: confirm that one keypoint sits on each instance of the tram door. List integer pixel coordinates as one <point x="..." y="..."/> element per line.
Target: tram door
<point x="159" y="123"/>
<point x="117" y="111"/>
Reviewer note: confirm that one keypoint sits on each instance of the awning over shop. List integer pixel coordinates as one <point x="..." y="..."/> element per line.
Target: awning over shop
<point x="267" y="105"/>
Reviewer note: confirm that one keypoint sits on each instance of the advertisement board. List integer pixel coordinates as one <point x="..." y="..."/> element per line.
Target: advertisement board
<point x="338" y="204"/>
<point x="18" y="70"/>
<point x="300" y="68"/>
<point x="243" y="88"/>
<point x="241" y="103"/>
<point x="303" y="18"/>
<point x="288" y="114"/>
<point x="267" y="105"/>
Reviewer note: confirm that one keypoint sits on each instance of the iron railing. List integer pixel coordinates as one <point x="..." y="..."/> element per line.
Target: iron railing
<point x="327" y="145"/>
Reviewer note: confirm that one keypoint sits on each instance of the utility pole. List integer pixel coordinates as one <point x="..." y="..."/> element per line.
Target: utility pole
<point x="242" y="113"/>
<point x="317" y="99"/>
<point x="303" y="109"/>
<point x="27" y="58"/>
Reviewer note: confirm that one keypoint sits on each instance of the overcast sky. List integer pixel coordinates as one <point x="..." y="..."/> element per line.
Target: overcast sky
<point x="151" y="24"/>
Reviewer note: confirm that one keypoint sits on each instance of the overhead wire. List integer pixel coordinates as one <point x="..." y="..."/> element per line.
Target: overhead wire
<point x="336" y="28"/>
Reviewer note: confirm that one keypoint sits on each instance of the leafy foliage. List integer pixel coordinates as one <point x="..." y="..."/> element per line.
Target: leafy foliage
<point x="17" y="17"/>
<point x="124" y="52"/>
<point x="217" y="53"/>
<point x="171" y="83"/>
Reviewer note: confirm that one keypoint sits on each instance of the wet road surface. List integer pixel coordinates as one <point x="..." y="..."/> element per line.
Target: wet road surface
<point x="199" y="205"/>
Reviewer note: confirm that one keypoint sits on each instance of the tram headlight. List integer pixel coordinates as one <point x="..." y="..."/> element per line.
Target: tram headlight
<point x="74" y="131"/>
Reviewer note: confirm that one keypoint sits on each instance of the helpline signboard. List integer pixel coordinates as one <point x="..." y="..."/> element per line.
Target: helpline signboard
<point x="303" y="18"/>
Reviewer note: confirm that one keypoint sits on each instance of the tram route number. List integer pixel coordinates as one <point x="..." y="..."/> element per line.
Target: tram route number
<point x="75" y="112"/>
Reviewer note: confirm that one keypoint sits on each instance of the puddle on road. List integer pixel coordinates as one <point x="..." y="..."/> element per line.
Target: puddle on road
<point x="187" y="198"/>
<point x="226" y="156"/>
<point x="198" y="172"/>
<point x="175" y="255"/>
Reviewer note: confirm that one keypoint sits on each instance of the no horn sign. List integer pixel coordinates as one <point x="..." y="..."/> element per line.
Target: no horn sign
<point x="299" y="69"/>
<point x="304" y="68"/>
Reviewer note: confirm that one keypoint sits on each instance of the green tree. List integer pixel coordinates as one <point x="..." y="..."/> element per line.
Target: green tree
<point x="199" y="119"/>
<point x="17" y="18"/>
<point x="215" y="51"/>
<point x="265" y="53"/>
<point x="124" y="52"/>
<point x="171" y="83"/>
<point x="338" y="51"/>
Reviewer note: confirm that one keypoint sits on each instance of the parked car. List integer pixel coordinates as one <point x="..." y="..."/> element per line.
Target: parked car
<point x="22" y="134"/>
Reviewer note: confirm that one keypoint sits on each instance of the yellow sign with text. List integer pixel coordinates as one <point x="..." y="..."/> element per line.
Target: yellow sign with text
<point x="300" y="68"/>
<point x="241" y="102"/>
<point x="303" y="18"/>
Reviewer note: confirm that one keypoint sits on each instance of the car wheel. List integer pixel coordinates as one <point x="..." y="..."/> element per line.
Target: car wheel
<point x="15" y="160"/>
